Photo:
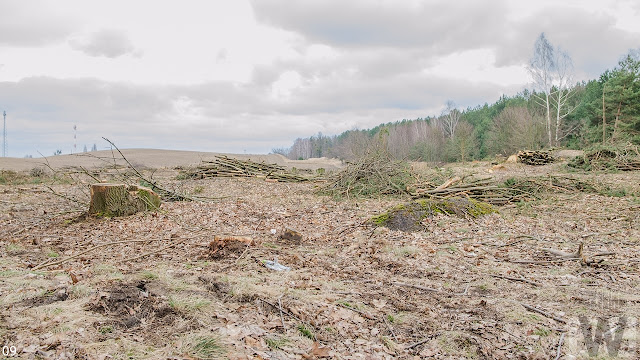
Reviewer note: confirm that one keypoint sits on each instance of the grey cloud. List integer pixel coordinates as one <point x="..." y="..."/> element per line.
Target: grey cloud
<point x="107" y="42"/>
<point x="440" y="26"/>
<point x="404" y="93"/>
<point x="33" y="25"/>
<point x="136" y="116"/>
<point x="229" y="117"/>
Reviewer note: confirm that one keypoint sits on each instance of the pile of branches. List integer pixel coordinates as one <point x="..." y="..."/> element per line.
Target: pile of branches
<point x="482" y="189"/>
<point x="512" y="190"/>
<point x="224" y="166"/>
<point x="374" y="174"/>
<point x="530" y="157"/>
<point x="613" y="157"/>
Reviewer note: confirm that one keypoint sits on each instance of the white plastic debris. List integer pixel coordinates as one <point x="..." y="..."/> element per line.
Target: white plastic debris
<point x="275" y="265"/>
<point x="274" y="231"/>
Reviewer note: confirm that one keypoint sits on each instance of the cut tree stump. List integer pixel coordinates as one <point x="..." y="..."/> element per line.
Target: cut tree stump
<point x="109" y="199"/>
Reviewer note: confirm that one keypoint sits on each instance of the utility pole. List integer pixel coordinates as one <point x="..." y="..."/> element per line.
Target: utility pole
<point x="4" y="135"/>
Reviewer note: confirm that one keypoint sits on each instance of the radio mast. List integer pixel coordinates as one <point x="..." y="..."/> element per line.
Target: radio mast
<point x="4" y="135"/>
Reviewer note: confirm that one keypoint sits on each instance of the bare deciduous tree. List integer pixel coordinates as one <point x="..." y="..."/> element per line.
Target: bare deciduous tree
<point x="552" y="70"/>
<point x="449" y="119"/>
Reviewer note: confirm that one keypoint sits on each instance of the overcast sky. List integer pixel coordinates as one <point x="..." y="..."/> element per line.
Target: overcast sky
<point x="237" y="75"/>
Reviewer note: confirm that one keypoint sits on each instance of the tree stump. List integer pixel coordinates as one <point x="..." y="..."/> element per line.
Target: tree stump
<point x="121" y="200"/>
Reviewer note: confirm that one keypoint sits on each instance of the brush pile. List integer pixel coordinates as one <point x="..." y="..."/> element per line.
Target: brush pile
<point x="529" y="157"/>
<point x="375" y="174"/>
<point x="482" y="189"/>
<point x="622" y="158"/>
<point x="513" y="190"/>
<point x="224" y="166"/>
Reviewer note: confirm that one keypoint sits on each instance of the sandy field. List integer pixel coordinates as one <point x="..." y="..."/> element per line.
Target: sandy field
<point x="155" y="159"/>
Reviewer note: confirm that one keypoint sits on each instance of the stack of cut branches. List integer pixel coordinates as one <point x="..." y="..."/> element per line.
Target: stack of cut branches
<point x="374" y="174"/>
<point x="511" y="191"/>
<point x="530" y="157"/>
<point x="482" y="189"/>
<point x="224" y="166"/>
<point x="613" y="157"/>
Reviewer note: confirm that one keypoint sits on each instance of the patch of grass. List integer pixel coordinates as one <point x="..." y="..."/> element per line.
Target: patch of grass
<point x="107" y="329"/>
<point x="542" y="332"/>
<point x="79" y="291"/>
<point x="306" y="332"/>
<point x="388" y="343"/>
<point x="9" y="273"/>
<point x="207" y="347"/>
<point x="406" y="251"/>
<point x="189" y="303"/>
<point x="198" y="189"/>
<point x="61" y="329"/>
<point x="148" y="275"/>
<point x="8" y="177"/>
<point x="13" y="248"/>
<point x="276" y="343"/>
<point x="270" y="245"/>
<point x="52" y="254"/>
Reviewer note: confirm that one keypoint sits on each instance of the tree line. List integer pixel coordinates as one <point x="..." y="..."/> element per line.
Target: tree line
<point x="555" y="112"/>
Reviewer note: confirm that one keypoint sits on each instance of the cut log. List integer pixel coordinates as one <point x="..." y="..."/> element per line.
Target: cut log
<point x="109" y="199"/>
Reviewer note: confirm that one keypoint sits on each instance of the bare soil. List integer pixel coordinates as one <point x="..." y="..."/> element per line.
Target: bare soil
<point x="148" y="287"/>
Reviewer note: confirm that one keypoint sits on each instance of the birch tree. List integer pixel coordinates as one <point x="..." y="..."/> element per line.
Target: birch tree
<point x="562" y="92"/>
<point x="552" y="72"/>
<point x="449" y="119"/>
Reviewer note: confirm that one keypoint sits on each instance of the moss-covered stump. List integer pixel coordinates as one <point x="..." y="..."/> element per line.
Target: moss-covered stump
<point x="408" y="217"/>
<point x="121" y="200"/>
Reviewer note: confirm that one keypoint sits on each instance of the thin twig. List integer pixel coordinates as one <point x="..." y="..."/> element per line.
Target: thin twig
<point x="154" y="185"/>
<point x="416" y="286"/>
<point x="421" y="341"/>
<point x="363" y="313"/>
<point x="542" y="312"/>
<point x="280" y="308"/>
<point x="157" y="250"/>
<point x="47" y="264"/>
<point x="517" y="279"/>
<point x="390" y="329"/>
<point x="285" y="312"/>
<point x="559" y="351"/>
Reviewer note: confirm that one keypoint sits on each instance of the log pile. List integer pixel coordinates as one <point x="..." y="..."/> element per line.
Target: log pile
<point x="530" y="157"/>
<point x="224" y="166"/>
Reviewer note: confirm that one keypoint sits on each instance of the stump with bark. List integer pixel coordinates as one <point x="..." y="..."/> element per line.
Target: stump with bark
<point x="121" y="200"/>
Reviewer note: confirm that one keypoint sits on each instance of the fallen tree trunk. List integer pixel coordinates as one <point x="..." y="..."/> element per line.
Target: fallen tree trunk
<point x="108" y="199"/>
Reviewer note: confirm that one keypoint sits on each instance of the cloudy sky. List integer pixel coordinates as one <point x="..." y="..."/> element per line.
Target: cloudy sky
<point x="243" y="75"/>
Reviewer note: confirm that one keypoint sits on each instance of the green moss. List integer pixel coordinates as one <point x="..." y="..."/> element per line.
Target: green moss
<point x="151" y="201"/>
<point x="409" y="216"/>
<point x="380" y="219"/>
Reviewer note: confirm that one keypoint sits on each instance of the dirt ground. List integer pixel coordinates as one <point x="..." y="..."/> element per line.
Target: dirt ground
<point x="149" y="286"/>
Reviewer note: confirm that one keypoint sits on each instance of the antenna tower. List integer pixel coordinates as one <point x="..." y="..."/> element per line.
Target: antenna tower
<point x="4" y="134"/>
<point x="74" y="139"/>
